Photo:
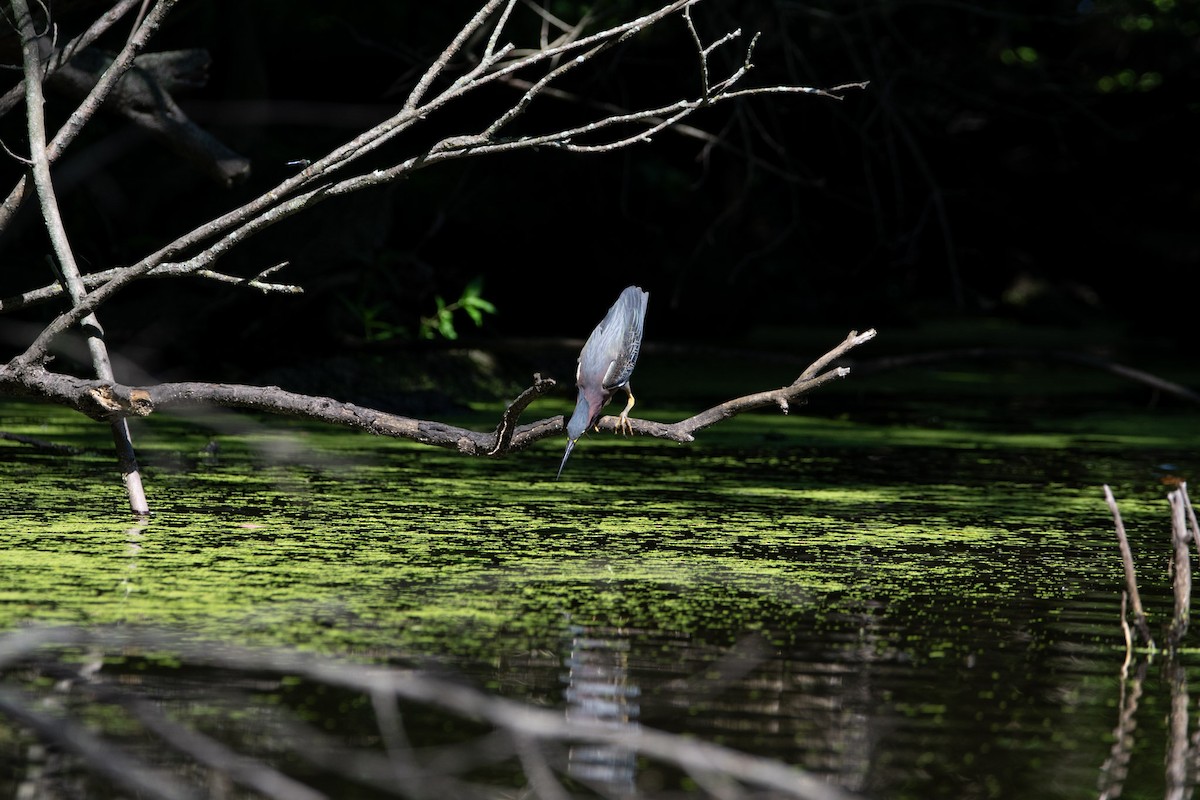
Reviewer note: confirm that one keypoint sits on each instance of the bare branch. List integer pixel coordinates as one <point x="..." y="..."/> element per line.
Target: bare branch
<point x="782" y="398"/>
<point x="91" y="280"/>
<point x="312" y="185"/>
<point x="1139" y="613"/>
<point x="34" y="102"/>
<point x="108" y="400"/>
<point x="440" y="63"/>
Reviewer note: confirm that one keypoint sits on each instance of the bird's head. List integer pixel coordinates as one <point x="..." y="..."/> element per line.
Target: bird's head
<point x="587" y="410"/>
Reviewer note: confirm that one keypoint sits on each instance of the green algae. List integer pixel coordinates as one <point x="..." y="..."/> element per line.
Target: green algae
<point x="955" y="582"/>
<point x="295" y="534"/>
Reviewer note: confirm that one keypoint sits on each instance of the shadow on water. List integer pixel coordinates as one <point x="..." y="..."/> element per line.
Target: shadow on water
<point x="904" y="611"/>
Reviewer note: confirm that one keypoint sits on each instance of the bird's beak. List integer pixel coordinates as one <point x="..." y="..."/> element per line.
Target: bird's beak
<point x="566" y="455"/>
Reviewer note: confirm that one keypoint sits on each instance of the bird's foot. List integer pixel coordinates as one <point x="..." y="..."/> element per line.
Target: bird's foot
<point x="624" y="426"/>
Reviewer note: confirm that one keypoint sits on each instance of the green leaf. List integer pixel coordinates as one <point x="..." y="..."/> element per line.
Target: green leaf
<point x="481" y="304"/>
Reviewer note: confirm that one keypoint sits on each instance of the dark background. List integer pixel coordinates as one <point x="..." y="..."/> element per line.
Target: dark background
<point x="1031" y="161"/>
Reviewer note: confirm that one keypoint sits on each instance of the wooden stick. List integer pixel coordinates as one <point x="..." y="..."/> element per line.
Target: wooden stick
<point x="1139" y="615"/>
<point x="1182" y="584"/>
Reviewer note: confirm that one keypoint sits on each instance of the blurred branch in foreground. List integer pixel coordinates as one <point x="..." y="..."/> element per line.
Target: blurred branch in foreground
<point x="125" y="705"/>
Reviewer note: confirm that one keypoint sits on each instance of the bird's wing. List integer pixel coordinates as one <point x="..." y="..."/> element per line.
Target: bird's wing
<point x="630" y="312"/>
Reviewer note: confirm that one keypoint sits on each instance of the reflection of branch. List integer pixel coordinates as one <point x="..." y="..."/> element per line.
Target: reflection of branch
<point x="528" y="729"/>
<point x="1116" y="766"/>
<point x="1179" y="752"/>
<point x="108" y="400"/>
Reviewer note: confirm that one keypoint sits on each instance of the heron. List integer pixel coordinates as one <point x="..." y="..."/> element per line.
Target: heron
<point x="605" y="364"/>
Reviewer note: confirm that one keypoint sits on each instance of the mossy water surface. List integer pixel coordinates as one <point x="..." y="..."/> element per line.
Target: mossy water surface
<point x="933" y="593"/>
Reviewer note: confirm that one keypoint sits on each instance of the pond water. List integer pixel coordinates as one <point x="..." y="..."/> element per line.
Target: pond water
<point x="905" y="595"/>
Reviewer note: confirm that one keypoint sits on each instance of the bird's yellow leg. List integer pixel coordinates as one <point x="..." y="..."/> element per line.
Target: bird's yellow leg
<point x="624" y="426"/>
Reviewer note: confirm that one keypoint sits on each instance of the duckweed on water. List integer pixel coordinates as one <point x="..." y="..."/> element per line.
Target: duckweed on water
<point x="360" y="540"/>
<point x="942" y="593"/>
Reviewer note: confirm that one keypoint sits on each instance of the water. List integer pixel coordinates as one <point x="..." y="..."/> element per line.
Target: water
<point x="921" y="602"/>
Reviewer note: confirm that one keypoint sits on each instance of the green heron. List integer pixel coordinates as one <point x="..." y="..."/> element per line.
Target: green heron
<point x="605" y="364"/>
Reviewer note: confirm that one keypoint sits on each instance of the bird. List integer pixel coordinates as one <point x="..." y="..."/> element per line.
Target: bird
<point x="605" y="364"/>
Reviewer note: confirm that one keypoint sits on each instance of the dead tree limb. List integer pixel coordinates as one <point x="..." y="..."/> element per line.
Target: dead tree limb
<point x="1139" y="614"/>
<point x="479" y="56"/>
<point x="91" y="280"/>
<point x="325" y="177"/>
<point x="1181" y="583"/>
<point x="108" y="400"/>
<point x="130" y="474"/>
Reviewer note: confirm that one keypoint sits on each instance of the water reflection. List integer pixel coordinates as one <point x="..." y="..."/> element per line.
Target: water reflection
<point x="1182" y="750"/>
<point x="599" y="690"/>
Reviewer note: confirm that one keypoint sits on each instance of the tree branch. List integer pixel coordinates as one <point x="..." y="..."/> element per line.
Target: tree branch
<point x="107" y="400"/>
<point x="313" y="184"/>
<point x="34" y="102"/>
<point x="35" y="297"/>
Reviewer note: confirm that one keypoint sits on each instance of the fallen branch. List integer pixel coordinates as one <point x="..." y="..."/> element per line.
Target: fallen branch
<point x="146" y="27"/>
<point x="143" y="97"/>
<point x="65" y="53"/>
<point x="480" y="57"/>
<point x="108" y="400"/>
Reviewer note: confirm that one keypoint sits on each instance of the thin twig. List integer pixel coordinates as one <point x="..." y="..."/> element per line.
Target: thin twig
<point x="1191" y="514"/>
